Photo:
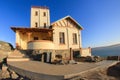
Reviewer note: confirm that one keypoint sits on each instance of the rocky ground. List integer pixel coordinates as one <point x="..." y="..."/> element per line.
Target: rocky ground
<point x="5" y="46"/>
<point x="10" y="75"/>
<point x="98" y="75"/>
<point x="110" y="73"/>
<point x="5" y="74"/>
<point x="5" y="49"/>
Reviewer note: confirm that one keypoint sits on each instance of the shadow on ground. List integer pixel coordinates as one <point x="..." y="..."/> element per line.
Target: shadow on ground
<point x="114" y="70"/>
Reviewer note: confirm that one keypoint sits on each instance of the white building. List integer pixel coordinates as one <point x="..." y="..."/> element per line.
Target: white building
<point x="56" y="38"/>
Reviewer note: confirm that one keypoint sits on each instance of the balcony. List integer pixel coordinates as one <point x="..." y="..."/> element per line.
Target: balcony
<point x="40" y="44"/>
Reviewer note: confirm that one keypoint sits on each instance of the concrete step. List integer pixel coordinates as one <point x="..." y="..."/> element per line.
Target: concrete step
<point x="18" y="59"/>
<point x="16" y="53"/>
<point x="13" y="56"/>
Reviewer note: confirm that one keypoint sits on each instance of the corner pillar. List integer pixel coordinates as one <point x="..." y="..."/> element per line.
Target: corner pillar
<point x="71" y="54"/>
<point x="80" y="51"/>
<point x="29" y="36"/>
<point x="18" y="40"/>
<point x="89" y="49"/>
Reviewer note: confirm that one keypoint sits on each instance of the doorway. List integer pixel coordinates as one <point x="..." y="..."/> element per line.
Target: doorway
<point x="47" y="57"/>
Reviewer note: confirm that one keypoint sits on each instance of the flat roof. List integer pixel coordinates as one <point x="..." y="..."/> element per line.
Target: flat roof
<point x="31" y="29"/>
<point x="42" y="7"/>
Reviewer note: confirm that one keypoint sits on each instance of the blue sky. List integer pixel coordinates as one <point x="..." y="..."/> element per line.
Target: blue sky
<point x="99" y="18"/>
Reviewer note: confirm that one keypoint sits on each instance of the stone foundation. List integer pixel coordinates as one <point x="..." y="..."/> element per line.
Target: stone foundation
<point x="42" y="53"/>
<point x="49" y="55"/>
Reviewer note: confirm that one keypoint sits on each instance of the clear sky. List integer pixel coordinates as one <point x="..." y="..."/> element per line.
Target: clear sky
<point x="99" y="18"/>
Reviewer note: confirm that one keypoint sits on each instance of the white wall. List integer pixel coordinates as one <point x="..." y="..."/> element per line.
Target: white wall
<point x="85" y="52"/>
<point x="68" y="38"/>
<point x="40" y="19"/>
<point x="41" y="44"/>
<point x="21" y="39"/>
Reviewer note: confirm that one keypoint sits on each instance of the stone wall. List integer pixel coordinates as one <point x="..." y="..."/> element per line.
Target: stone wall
<point x="37" y="54"/>
<point x="43" y="54"/>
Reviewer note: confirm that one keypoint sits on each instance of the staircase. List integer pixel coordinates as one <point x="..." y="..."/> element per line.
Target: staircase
<point x="17" y="55"/>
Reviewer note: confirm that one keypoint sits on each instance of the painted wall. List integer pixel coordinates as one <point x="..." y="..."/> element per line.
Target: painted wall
<point x="40" y="44"/>
<point x="21" y="40"/>
<point x="85" y="52"/>
<point x="40" y="19"/>
<point x="68" y="38"/>
<point x="68" y="28"/>
<point x="40" y="35"/>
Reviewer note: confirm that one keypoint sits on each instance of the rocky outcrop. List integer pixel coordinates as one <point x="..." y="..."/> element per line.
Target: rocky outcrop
<point x="114" y="71"/>
<point x="4" y="46"/>
<point x="5" y="49"/>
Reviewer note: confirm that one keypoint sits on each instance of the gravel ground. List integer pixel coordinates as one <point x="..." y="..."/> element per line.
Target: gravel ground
<point x="100" y="74"/>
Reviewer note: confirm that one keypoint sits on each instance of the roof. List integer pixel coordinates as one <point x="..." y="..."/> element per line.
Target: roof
<point x="69" y="17"/>
<point x="31" y="29"/>
<point x="42" y="7"/>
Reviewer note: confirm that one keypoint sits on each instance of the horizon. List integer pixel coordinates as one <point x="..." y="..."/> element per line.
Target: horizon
<point x="107" y="45"/>
<point x="101" y="23"/>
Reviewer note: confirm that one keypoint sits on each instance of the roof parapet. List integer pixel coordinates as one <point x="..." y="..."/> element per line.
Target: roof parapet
<point x="41" y="7"/>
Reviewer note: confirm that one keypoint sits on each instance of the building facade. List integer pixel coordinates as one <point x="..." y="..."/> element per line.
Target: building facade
<point x="57" y="38"/>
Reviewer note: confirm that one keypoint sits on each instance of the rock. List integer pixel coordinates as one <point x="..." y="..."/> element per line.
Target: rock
<point x="4" y="46"/>
<point x="14" y="75"/>
<point x="114" y="70"/>
<point x="4" y="74"/>
<point x="3" y="55"/>
<point x="72" y="62"/>
<point x="4" y="68"/>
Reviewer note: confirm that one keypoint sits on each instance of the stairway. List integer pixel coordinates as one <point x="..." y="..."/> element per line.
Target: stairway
<point x="17" y="55"/>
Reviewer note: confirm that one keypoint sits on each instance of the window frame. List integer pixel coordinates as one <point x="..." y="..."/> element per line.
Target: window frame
<point x="61" y="37"/>
<point x="45" y="25"/>
<point x="44" y="14"/>
<point x="35" y="38"/>
<point x="75" y="38"/>
<point x="36" y="13"/>
<point x="36" y="24"/>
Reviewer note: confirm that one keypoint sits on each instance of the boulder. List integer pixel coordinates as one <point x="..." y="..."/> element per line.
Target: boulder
<point x="72" y="62"/>
<point x="5" y="46"/>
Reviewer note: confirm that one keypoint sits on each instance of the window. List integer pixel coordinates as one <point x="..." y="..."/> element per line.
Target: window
<point x="36" y="24"/>
<point x="44" y="25"/>
<point x="44" y="13"/>
<point x="35" y="38"/>
<point x="62" y="37"/>
<point x="36" y="13"/>
<point x="74" y="38"/>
